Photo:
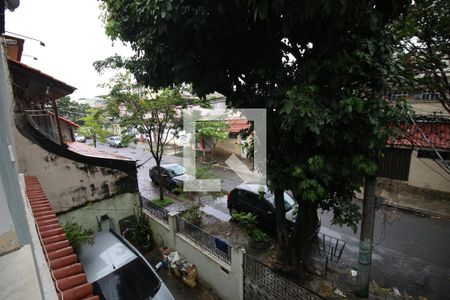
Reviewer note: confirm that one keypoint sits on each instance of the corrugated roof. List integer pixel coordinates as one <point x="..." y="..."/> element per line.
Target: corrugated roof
<point x="86" y="150"/>
<point x="68" y="275"/>
<point x="438" y="135"/>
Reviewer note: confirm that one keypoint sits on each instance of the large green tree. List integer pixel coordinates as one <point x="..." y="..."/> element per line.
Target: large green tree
<point x="319" y="67"/>
<point x="94" y="124"/>
<point x="151" y="113"/>
<point x="424" y="48"/>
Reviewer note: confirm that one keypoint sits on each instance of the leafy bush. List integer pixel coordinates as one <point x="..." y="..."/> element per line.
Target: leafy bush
<point x="248" y="221"/>
<point x="127" y="139"/>
<point x="193" y="214"/>
<point x="78" y="236"/>
<point x="141" y="230"/>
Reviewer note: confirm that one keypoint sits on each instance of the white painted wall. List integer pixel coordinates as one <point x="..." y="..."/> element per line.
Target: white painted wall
<point x="426" y="173"/>
<point x="224" y="279"/>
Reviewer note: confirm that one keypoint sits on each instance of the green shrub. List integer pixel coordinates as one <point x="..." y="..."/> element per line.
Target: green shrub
<point x="193" y="214"/>
<point x="248" y="221"/>
<point x="141" y="230"/>
<point x="78" y="236"/>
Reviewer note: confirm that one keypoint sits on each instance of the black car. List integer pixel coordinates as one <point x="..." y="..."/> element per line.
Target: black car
<point x="172" y="176"/>
<point x="246" y="198"/>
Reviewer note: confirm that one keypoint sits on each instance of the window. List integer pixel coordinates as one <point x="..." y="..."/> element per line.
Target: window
<point x="397" y="95"/>
<point x="430" y="96"/>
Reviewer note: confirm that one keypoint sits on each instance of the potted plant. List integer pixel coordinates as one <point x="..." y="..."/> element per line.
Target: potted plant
<point x="194" y="215"/>
<point x="258" y="239"/>
<point x="142" y="235"/>
<point x="78" y="235"/>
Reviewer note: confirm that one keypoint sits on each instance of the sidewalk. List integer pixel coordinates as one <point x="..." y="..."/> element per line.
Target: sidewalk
<point x="402" y="196"/>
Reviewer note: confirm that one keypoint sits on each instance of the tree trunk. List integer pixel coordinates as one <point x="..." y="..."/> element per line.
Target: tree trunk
<point x="95" y="140"/>
<point x="284" y="257"/>
<point x="161" y="192"/>
<point x="305" y="233"/>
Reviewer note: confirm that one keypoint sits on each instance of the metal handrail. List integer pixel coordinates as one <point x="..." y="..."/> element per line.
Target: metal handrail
<point x="52" y="131"/>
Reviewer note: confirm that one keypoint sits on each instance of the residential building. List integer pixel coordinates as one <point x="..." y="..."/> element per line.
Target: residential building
<point x="48" y="179"/>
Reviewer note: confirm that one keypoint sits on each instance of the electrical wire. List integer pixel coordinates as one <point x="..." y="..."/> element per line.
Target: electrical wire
<point x="447" y="167"/>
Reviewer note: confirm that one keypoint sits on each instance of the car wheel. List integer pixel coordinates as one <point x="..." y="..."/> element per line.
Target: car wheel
<point x="153" y="180"/>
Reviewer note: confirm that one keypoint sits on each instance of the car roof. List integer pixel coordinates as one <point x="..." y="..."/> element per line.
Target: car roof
<point x="252" y="187"/>
<point x="170" y="166"/>
<point x="106" y="255"/>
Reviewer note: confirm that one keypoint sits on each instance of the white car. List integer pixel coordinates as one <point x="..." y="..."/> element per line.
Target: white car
<point x="80" y="138"/>
<point x="114" y="141"/>
<point x="118" y="271"/>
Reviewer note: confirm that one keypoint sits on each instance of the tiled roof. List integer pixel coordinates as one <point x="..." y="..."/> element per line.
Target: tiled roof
<point x="438" y="135"/>
<point x="238" y="125"/>
<point x="86" y="150"/>
<point x="68" y="276"/>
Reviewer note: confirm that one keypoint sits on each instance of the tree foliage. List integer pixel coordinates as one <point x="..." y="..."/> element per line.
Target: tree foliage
<point x="72" y="110"/>
<point x="319" y="67"/>
<point x="424" y="47"/>
<point x="214" y="130"/>
<point x="94" y="126"/>
<point x="151" y="113"/>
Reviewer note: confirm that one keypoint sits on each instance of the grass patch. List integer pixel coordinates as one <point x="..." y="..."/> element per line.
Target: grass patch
<point x="165" y="202"/>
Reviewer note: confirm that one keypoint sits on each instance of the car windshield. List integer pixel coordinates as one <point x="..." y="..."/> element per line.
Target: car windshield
<point x="288" y="200"/>
<point x="134" y="280"/>
<point x="176" y="170"/>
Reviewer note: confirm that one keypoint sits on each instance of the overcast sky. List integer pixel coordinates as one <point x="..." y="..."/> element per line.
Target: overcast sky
<point x="74" y="38"/>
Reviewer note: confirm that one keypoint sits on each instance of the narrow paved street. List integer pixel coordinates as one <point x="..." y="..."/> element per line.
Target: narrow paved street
<point x="411" y="251"/>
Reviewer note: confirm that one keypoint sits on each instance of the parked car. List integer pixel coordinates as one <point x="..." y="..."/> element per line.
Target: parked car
<point x="80" y="138"/>
<point x="115" y="141"/>
<point x="173" y="175"/>
<point x="118" y="271"/>
<point x="246" y="198"/>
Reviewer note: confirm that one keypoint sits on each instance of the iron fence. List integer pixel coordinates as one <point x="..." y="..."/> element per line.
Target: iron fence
<point x="212" y="244"/>
<point x="261" y="282"/>
<point x="159" y="212"/>
<point x="330" y="248"/>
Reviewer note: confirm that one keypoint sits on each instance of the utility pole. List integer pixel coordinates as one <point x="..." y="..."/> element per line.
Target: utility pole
<point x="366" y="239"/>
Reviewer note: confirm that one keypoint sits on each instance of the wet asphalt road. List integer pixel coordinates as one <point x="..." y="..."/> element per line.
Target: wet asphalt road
<point x="411" y="252"/>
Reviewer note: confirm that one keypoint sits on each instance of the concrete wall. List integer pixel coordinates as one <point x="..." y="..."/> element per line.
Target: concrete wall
<point x="68" y="183"/>
<point x="224" y="279"/>
<point x="426" y="173"/>
<point x="13" y="231"/>
<point x="117" y="207"/>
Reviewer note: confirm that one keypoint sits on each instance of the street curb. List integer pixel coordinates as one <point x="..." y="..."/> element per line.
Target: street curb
<point x="423" y="213"/>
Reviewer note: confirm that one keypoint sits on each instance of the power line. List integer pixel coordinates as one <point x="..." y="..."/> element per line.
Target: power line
<point x="447" y="170"/>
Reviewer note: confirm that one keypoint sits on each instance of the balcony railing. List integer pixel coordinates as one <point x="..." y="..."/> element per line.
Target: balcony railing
<point x="44" y="122"/>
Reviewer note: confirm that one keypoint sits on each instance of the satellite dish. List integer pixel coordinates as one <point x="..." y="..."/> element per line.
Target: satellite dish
<point x="12" y="4"/>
